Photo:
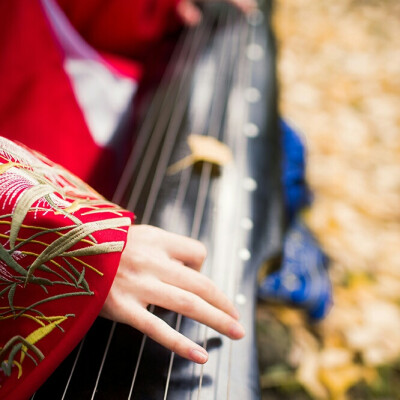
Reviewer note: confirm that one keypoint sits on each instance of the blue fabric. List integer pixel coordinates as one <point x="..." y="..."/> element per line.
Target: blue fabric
<point x="295" y="190"/>
<point x="303" y="279"/>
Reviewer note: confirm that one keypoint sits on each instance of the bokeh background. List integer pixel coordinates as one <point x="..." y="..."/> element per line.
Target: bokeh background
<point x="339" y="76"/>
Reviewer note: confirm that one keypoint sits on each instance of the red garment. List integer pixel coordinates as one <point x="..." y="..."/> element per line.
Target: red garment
<point x="37" y="103"/>
<point x="60" y="245"/>
<point x="124" y="27"/>
<point x="60" y="242"/>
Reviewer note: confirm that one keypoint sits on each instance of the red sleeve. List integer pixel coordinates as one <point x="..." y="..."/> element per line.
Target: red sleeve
<point x="38" y="106"/>
<point x="60" y="246"/>
<point x="125" y="27"/>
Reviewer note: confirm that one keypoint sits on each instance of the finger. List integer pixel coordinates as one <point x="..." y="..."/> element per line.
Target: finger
<point x="202" y="286"/>
<point x="189" y="13"/>
<point x="194" y="307"/>
<point x="161" y="332"/>
<point x="189" y="251"/>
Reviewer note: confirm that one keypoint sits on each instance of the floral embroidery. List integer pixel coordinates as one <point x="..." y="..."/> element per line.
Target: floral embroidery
<point x="48" y="225"/>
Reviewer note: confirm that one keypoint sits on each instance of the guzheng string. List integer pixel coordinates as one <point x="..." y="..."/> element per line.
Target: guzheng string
<point x="199" y="207"/>
<point x="198" y="216"/>
<point x="161" y="101"/>
<point x="243" y="80"/>
<point x="194" y="41"/>
<point x="200" y="204"/>
<point x="184" y="50"/>
<point x="215" y="124"/>
<point x="151" y="143"/>
<point x="202" y="32"/>
<point x="216" y="117"/>
<point x="244" y="35"/>
<point x="73" y="368"/>
<point x="245" y="75"/>
<point x="228" y="65"/>
<point x="198" y="39"/>
<point x="226" y="61"/>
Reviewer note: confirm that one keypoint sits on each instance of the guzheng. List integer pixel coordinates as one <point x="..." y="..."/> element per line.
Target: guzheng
<point x="220" y="82"/>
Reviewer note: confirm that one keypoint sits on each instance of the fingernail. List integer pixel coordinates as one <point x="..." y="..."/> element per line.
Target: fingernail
<point x="236" y="331"/>
<point x="199" y="356"/>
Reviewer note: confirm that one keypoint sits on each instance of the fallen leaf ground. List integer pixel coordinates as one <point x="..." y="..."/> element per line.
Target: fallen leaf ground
<point x="339" y="74"/>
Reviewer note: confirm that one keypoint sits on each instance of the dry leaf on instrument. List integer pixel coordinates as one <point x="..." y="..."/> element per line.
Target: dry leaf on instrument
<point x="203" y="148"/>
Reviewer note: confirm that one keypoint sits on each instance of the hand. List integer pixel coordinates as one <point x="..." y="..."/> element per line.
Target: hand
<point x="162" y="268"/>
<point x="191" y="15"/>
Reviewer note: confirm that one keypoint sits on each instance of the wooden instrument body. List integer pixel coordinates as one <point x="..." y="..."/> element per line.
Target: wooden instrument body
<point x="223" y="85"/>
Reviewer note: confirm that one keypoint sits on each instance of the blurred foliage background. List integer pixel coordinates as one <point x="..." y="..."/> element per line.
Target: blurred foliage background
<point x="339" y="75"/>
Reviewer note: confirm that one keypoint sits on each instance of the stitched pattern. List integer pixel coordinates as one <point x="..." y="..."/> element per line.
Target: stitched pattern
<point x="50" y="225"/>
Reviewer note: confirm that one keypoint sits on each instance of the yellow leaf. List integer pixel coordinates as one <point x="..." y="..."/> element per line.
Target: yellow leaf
<point x="203" y="148"/>
<point x="39" y="334"/>
<point x="19" y="366"/>
<point x="339" y="380"/>
<point x="307" y="348"/>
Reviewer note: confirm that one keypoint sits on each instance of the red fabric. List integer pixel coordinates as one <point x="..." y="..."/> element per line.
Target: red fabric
<point x="39" y="109"/>
<point x="75" y="312"/>
<point x="123" y="66"/>
<point x="125" y="27"/>
<point x="37" y="103"/>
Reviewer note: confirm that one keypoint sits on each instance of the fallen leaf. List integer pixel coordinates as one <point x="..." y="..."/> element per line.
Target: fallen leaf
<point x="203" y="148"/>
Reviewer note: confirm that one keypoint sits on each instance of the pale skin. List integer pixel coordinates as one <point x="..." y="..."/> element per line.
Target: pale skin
<point x="162" y="268"/>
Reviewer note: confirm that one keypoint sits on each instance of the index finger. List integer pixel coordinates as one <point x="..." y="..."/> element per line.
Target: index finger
<point x="189" y="251"/>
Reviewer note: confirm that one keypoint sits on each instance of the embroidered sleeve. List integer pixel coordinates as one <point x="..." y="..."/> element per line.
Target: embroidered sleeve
<point x="60" y="245"/>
